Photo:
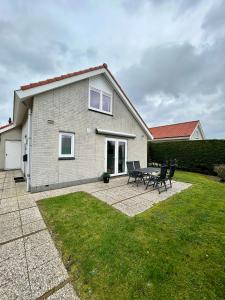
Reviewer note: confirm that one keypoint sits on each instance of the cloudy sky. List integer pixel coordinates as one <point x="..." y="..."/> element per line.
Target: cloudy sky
<point x="169" y="55"/>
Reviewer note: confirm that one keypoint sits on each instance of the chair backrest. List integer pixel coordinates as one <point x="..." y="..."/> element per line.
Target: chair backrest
<point x="130" y="166"/>
<point x="163" y="171"/>
<point x="137" y="164"/>
<point x="172" y="170"/>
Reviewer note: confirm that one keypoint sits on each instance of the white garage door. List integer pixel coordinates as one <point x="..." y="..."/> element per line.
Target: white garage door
<point x="12" y="155"/>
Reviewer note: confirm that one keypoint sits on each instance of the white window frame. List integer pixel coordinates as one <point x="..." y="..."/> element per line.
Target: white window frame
<point x="116" y="155"/>
<point x="91" y="88"/>
<point x="70" y="134"/>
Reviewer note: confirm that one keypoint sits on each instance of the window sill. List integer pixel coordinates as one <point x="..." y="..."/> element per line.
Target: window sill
<point x="101" y="112"/>
<point x="66" y="158"/>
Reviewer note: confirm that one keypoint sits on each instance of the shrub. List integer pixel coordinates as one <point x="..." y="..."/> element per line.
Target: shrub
<point x="220" y="170"/>
<point x="198" y="156"/>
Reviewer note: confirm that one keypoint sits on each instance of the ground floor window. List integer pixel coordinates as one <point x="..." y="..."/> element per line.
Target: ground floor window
<point x="66" y="145"/>
<point x="116" y="156"/>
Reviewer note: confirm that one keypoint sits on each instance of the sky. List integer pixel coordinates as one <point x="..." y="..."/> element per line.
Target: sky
<point x="168" y="55"/>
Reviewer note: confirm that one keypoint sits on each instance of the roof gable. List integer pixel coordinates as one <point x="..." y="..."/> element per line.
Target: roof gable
<point x="174" y="130"/>
<point x="29" y="90"/>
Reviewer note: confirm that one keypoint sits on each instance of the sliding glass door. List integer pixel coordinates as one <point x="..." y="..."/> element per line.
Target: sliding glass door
<point x="116" y="156"/>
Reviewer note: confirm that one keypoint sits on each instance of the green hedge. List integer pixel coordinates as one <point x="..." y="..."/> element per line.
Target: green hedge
<point x="199" y="156"/>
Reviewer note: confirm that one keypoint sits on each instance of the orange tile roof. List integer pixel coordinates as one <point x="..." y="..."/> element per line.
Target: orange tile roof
<point x="50" y="80"/>
<point x="174" y="130"/>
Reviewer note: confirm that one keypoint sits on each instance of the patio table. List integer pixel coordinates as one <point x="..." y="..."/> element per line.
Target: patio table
<point x="148" y="171"/>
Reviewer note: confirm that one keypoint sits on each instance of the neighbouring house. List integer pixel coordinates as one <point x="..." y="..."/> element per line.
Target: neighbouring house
<point x="181" y="131"/>
<point x="10" y="146"/>
<point x="72" y="128"/>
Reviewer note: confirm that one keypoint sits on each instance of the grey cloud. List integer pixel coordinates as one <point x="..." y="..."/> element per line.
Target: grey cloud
<point x="178" y="82"/>
<point x="182" y="6"/>
<point x="215" y="19"/>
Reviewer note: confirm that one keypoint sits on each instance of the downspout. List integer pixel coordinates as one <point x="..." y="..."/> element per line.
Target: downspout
<point x="29" y="149"/>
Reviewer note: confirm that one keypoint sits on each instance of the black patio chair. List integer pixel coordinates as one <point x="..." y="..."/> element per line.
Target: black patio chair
<point x="132" y="173"/>
<point x="130" y="170"/>
<point x="160" y="180"/>
<point x="169" y="177"/>
<point x="137" y="164"/>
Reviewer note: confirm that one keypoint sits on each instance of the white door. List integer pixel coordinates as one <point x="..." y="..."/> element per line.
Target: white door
<point x="12" y="155"/>
<point x="116" y="156"/>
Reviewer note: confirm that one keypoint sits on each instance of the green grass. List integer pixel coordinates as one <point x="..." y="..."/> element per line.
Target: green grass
<point x="175" y="250"/>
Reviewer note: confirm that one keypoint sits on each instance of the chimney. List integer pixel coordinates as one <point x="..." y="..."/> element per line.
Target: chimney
<point x="10" y="120"/>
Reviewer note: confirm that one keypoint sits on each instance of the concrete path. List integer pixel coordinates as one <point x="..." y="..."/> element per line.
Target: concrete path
<point x="30" y="265"/>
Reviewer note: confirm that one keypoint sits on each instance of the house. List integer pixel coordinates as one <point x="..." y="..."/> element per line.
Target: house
<point x="10" y="139"/>
<point x="181" y="131"/>
<point x="74" y="127"/>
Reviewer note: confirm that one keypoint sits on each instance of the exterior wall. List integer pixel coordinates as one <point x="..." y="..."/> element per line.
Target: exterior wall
<point x="24" y="145"/>
<point x="67" y="108"/>
<point x="12" y="134"/>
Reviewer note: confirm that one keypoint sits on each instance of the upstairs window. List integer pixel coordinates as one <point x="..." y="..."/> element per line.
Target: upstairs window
<point x="66" y="145"/>
<point x="100" y="101"/>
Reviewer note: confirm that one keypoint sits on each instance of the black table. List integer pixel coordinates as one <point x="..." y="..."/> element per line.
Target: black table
<point x="149" y="170"/>
<point x="145" y="172"/>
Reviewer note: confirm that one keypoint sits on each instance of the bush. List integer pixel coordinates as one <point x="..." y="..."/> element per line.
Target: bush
<point x="220" y="170"/>
<point x="197" y="156"/>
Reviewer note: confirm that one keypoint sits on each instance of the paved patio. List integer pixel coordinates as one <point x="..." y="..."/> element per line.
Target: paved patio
<point x="30" y="265"/>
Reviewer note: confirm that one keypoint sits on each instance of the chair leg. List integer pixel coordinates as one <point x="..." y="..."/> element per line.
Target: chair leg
<point x="170" y="183"/>
<point x="165" y="185"/>
<point x="128" y="180"/>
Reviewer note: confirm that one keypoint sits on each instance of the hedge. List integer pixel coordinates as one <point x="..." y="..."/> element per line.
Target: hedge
<point x="198" y="156"/>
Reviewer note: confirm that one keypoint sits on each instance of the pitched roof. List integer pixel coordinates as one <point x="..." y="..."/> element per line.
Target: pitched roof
<point x="6" y="127"/>
<point x="32" y="88"/>
<point x="174" y="130"/>
<point x="61" y="77"/>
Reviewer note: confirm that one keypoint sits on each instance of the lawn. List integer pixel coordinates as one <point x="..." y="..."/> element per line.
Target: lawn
<point x="175" y="250"/>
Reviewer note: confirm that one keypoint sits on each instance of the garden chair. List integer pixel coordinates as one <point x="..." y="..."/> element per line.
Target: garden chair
<point x="132" y="173"/>
<point x="171" y="173"/>
<point x="159" y="180"/>
<point x="130" y="170"/>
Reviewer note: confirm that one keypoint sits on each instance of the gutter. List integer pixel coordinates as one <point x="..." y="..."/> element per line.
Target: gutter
<point x="29" y="136"/>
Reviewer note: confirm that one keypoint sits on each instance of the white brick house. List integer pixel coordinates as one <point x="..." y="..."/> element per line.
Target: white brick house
<point x="76" y="126"/>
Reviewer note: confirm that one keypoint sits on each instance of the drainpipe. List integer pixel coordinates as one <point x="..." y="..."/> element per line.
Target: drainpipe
<point x="29" y="149"/>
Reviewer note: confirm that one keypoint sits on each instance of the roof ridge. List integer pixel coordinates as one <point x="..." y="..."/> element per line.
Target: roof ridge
<point x="60" y="77"/>
<point x="175" y="124"/>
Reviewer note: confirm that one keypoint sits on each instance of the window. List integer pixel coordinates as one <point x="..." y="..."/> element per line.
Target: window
<point x="100" y="101"/>
<point x="95" y="99"/>
<point x="106" y="102"/>
<point x="66" y="145"/>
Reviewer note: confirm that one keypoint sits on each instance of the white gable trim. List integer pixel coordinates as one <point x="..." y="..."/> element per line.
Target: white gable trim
<point x="24" y="94"/>
<point x="7" y="128"/>
<point x="198" y="126"/>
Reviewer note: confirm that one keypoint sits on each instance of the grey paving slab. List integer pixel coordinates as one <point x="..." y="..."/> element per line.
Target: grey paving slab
<point x="30" y="215"/>
<point x="33" y="227"/>
<point x="41" y="255"/>
<point x="14" y="283"/>
<point x="47" y="276"/>
<point x="9" y="234"/>
<point x="37" y="239"/>
<point x="15" y="248"/>
<point x="10" y="220"/>
<point x="25" y="202"/>
<point x="65" y="293"/>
